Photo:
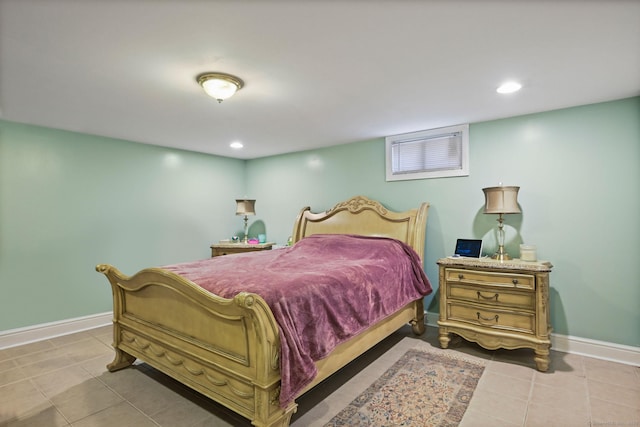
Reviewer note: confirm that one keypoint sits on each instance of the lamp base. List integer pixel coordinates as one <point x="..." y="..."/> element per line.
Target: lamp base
<point x="246" y="230"/>
<point x="501" y="254"/>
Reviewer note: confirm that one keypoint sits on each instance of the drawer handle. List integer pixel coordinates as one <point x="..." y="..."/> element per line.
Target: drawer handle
<point x="494" y="297"/>
<point x="487" y="319"/>
<point x="460" y="276"/>
<point x="515" y="281"/>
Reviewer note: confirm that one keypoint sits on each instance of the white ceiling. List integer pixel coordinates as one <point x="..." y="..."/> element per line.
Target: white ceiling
<point x="317" y="73"/>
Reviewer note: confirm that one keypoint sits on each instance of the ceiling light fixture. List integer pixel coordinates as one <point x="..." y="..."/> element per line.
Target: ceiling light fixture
<point x="219" y="86"/>
<point x="236" y="145"/>
<point x="509" y="87"/>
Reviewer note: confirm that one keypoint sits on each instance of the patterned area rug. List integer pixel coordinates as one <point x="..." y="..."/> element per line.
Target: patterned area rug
<point x="422" y="388"/>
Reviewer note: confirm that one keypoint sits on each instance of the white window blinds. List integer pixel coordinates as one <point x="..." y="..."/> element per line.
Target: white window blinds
<point x="428" y="154"/>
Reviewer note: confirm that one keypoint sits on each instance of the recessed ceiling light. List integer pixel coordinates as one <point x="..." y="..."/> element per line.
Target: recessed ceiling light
<point x="236" y="145"/>
<point x="509" y="87"/>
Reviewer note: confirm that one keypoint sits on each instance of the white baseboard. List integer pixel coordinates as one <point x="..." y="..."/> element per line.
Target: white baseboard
<point x="599" y="349"/>
<point x="29" y="334"/>
<point x="583" y="346"/>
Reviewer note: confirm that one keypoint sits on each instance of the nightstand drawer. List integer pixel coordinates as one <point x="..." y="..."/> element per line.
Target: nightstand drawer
<point x="492" y="296"/>
<point x="479" y="277"/>
<point x="493" y="318"/>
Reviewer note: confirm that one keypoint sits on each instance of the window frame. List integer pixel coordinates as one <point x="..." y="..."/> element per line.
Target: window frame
<point x="390" y="141"/>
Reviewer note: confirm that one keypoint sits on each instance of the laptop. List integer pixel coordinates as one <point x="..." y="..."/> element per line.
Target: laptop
<point x="471" y="248"/>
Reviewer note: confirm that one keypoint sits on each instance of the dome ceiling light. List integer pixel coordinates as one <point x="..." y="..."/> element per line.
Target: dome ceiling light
<point x="219" y="86"/>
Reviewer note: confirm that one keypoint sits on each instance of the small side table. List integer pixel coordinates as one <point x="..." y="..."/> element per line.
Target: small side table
<point x="498" y="304"/>
<point x="218" y="249"/>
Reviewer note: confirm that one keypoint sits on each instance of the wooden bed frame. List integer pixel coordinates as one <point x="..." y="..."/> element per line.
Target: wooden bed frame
<point x="228" y="349"/>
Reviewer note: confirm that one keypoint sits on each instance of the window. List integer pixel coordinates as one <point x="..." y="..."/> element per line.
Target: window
<point x="434" y="153"/>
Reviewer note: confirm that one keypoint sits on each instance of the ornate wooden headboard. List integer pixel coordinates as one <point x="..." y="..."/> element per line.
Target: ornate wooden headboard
<point x="362" y="216"/>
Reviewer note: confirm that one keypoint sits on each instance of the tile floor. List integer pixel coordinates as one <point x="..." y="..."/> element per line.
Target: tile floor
<point x="63" y="382"/>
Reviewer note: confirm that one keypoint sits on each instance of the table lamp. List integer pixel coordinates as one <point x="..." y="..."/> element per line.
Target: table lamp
<point x="501" y="200"/>
<point x="245" y="207"/>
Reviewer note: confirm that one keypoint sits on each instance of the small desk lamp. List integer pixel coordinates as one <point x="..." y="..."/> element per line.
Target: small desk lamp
<point x="245" y="207"/>
<point x="501" y="200"/>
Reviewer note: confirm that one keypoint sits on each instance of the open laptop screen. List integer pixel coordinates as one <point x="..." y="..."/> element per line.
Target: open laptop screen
<point x="469" y="248"/>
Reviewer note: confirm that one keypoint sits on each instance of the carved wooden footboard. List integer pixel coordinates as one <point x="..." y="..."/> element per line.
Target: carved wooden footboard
<point x="228" y="349"/>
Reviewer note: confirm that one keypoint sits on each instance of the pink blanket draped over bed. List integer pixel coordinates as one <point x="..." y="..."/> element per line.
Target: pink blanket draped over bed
<point x="322" y="291"/>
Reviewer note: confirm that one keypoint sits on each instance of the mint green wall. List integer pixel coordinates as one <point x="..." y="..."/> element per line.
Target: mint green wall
<point x="69" y="201"/>
<point x="579" y="173"/>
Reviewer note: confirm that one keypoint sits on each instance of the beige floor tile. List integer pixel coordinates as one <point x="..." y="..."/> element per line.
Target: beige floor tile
<point x="592" y="362"/>
<point x="126" y="382"/>
<point x="47" y="416"/>
<point x="473" y="418"/>
<point x="87" y="349"/>
<point x="11" y="375"/>
<point x="514" y="370"/>
<point x="59" y="381"/>
<point x="20" y="398"/>
<point x="569" y="380"/>
<point x="40" y="356"/>
<point x="504" y="385"/>
<point x="224" y="416"/>
<point x="106" y="339"/>
<point x="13" y="352"/>
<point x="47" y="365"/>
<point x="154" y="399"/>
<point x="5" y="365"/>
<point x="614" y="393"/>
<point x="84" y="399"/>
<point x="181" y="411"/>
<point x="215" y="421"/>
<point x="121" y="415"/>
<point x="70" y="338"/>
<point x="566" y="363"/>
<point x="106" y="329"/>
<point x="498" y="405"/>
<point x="98" y="365"/>
<point x="319" y="414"/>
<point x="149" y="395"/>
<point x="545" y="416"/>
<point x="615" y="373"/>
<point x="570" y="399"/>
<point x="609" y="413"/>
<point x="560" y="379"/>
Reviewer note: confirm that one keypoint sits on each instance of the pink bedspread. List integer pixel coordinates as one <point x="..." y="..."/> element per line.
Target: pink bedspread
<point x="322" y="291"/>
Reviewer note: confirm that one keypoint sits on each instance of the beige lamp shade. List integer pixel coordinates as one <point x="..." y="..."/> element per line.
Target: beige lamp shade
<point x="245" y="207"/>
<point x="501" y="200"/>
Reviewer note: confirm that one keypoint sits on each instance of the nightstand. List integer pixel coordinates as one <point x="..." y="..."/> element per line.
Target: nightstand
<point x="497" y="304"/>
<point x="218" y="249"/>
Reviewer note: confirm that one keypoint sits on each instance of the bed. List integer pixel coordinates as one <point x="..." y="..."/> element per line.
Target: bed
<point x="229" y="349"/>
